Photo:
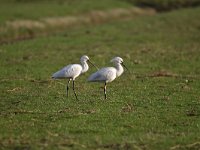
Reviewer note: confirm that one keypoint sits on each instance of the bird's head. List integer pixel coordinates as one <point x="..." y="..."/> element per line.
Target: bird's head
<point x="117" y="60"/>
<point x="84" y="58"/>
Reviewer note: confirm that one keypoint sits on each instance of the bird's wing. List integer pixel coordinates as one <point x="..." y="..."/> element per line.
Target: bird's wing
<point x="68" y="72"/>
<point x="103" y="74"/>
<point x="57" y="75"/>
<point x="96" y="77"/>
<point x="73" y="70"/>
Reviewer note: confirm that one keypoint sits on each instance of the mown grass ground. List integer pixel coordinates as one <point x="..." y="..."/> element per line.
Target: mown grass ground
<point x="144" y="110"/>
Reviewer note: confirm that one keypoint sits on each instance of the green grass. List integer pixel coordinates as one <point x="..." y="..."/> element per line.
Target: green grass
<point x="140" y="112"/>
<point x="18" y="17"/>
<point x="40" y="9"/>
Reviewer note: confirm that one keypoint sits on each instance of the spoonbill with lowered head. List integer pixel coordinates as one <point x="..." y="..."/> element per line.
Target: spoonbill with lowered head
<point x="72" y="71"/>
<point x="108" y="74"/>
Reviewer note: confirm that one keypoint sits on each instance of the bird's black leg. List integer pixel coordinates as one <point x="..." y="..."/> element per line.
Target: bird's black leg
<point x="68" y="87"/>
<point x="74" y="91"/>
<point x="105" y="90"/>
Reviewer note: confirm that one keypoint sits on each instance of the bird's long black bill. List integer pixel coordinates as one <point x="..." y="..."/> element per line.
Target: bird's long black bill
<point x="93" y="64"/>
<point x="125" y="67"/>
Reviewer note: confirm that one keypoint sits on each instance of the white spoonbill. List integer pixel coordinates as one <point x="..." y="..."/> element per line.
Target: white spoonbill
<point x="72" y="71"/>
<point x="108" y="74"/>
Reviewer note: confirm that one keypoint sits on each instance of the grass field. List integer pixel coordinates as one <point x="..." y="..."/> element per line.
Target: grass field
<point x="27" y="9"/>
<point x="155" y="106"/>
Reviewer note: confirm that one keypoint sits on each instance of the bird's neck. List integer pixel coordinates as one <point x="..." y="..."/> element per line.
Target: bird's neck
<point x="84" y="66"/>
<point x="119" y="68"/>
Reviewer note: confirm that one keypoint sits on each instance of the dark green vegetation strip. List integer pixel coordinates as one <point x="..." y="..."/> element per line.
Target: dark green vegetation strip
<point x="166" y="5"/>
<point x="158" y="110"/>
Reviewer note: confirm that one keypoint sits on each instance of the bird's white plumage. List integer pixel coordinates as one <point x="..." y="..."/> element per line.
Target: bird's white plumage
<point x="107" y="74"/>
<point x="70" y="71"/>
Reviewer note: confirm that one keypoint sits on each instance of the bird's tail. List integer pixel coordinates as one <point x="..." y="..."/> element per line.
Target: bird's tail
<point x="56" y="75"/>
